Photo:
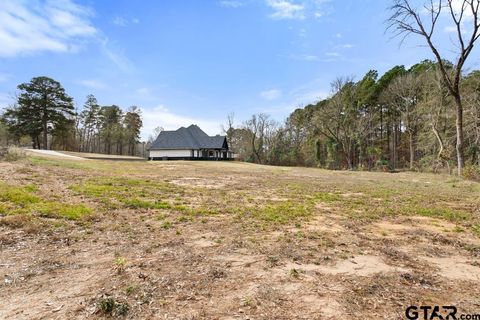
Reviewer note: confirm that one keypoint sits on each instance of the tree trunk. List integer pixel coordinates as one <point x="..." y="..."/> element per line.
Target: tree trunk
<point x="45" y="135"/>
<point x="412" y="149"/>
<point x="459" y="127"/>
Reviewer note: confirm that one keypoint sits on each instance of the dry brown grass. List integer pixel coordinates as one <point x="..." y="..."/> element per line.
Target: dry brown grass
<point x="216" y="240"/>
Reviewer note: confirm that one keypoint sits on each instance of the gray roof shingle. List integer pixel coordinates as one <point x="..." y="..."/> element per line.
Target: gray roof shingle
<point x="188" y="138"/>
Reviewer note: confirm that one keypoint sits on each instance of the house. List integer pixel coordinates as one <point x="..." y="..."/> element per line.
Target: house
<point x="189" y="144"/>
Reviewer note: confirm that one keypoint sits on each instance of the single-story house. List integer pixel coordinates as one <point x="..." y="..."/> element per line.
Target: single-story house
<point x="189" y="144"/>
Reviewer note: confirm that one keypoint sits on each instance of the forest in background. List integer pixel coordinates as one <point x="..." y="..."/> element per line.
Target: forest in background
<point x="44" y="117"/>
<point x="403" y="119"/>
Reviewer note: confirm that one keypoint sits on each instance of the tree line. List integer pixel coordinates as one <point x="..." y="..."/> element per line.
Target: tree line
<point x="424" y="116"/>
<point x="403" y="119"/>
<point x="45" y="115"/>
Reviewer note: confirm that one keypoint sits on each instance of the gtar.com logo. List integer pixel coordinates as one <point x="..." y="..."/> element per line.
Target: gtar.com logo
<point x="431" y="313"/>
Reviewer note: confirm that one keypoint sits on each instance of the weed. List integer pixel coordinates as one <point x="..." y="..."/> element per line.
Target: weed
<point x="472" y="172"/>
<point x="106" y="305"/>
<point x="247" y="301"/>
<point x="444" y="213"/>
<point x="129" y="290"/>
<point x="161" y="216"/>
<point x="111" y="307"/>
<point x="14" y="154"/>
<point x="294" y="273"/>
<point x="120" y="263"/>
<point x="166" y="224"/>
<point x="184" y="218"/>
<point x="327" y="197"/>
<point x="273" y="261"/>
<point x="476" y="229"/>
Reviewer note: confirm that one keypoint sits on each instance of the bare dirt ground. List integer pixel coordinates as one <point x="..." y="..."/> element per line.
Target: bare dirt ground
<point x="214" y="240"/>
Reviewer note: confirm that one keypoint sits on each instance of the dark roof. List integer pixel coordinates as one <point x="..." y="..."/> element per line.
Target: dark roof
<point x="188" y="138"/>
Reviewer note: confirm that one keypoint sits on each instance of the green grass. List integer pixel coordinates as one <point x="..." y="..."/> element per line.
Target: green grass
<point x="43" y="161"/>
<point x="23" y="201"/>
<point x="326" y="197"/>
<point x="282" y="213"/>
<point x="136" y="203"/>
<point x="20" y="196"/>
<point x="60" y="210"/>
<point x="166" y="224"/>
<point x="442" y="213"/>
<point x="476" y="229"/>
<point x="130" y="193"/>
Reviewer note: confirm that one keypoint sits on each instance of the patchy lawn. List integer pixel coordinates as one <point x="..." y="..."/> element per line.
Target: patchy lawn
<point x="215" y="240"/>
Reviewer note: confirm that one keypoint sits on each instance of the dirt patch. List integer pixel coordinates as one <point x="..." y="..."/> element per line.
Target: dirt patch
<point x="324" y="223"/>
<point x="199" y="183"/>
<point x="456" y="268"/>
<point x="363" y="265"/>
<point x="435" y="225"/>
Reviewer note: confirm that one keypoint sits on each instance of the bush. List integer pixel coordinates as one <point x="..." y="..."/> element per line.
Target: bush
<point x="472" y="172"/>
<point x="383" y="165"/>
<point x="14" y="154"/>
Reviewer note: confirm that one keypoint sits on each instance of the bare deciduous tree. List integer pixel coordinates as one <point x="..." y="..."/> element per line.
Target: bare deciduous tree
<point x="407" y="20"/>
<point x="261" y="127"/>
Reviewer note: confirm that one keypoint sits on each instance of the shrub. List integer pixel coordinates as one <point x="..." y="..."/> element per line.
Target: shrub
<point x="472" y="172"/>
<point x="112" y="307"/>
<point x="14" y="154"/>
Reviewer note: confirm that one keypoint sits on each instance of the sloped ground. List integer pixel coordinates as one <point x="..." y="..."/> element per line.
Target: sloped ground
<point x="212" y="240"/>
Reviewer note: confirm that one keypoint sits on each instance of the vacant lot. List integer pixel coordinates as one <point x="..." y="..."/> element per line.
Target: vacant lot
<point x="212" y="240"/>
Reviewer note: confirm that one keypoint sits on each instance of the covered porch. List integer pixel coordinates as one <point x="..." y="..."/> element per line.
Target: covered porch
<point x="212" y="154"/>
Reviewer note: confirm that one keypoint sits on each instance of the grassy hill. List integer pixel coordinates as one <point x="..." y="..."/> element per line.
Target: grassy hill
<point x="216" y="240"/>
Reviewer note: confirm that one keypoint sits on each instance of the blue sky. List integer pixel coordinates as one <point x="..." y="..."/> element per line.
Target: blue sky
<point x="195" y="61"/>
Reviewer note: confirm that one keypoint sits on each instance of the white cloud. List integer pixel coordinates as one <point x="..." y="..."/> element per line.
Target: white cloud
<point x="123" y="22"/>
<point x="332" y="54"/>
<point x="231" y="3"/>
<point x="142" y="91"/>
<point x="462" y="5"/>
<point x="310" y="58"/>
<point x="304" y="57"/>
<point x="310" y="92"/>
<point x="450" y="29"/>
<point x="283" y="9"/>
<point x="4" y="77"/>
<point x="120" y="21"/>
<point x="271" y="94"/>
<point x="49" y="25"/>
<point x="4" y="100"/>
<point x="163" y="117"/>
<point x="116" y="56"/>
<point x="297" y="9"/>
<point x="93" y="84"/>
